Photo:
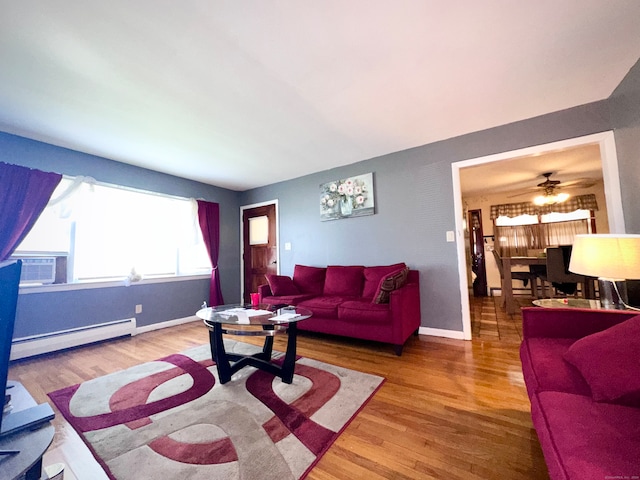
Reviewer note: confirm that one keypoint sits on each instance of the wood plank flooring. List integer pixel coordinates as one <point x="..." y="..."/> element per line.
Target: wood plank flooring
<point x="449" y="409"/>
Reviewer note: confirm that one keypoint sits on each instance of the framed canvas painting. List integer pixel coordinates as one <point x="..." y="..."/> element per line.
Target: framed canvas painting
<point x="349" y="197"/>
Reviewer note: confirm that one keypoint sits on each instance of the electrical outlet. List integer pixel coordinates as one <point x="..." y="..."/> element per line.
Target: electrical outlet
<point x="138" y="308"/>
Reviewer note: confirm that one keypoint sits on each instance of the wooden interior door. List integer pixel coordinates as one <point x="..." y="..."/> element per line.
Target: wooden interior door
<point x="260" y="248"/>
<point x="478" y="260"/>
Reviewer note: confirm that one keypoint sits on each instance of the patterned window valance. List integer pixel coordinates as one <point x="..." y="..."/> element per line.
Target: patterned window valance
<point x="579" y="202"/>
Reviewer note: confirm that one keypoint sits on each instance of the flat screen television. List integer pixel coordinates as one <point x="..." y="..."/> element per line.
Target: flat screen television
<point x="9" y="283"/>
<point x="24" y="418"/>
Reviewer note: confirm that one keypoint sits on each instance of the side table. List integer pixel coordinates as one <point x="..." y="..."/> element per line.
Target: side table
<point x="31" y="444"/>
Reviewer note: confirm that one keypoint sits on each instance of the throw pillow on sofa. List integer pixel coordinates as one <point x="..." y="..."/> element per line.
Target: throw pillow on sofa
<point x="389" y="283"/>
<point x="309" y="279"/>
<point x="610" y="362"/>
<point x="281" y="285"/>
<point x="373" y="275"/>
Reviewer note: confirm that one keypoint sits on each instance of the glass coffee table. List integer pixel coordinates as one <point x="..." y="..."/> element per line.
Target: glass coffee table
<point x="568" y="303"/>
<point x="262" y="320"/>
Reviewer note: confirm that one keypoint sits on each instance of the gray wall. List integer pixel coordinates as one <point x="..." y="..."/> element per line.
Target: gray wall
<point x="52" y="311"/>
<point x="625" y="118"/>
<point x="414" y="207"/>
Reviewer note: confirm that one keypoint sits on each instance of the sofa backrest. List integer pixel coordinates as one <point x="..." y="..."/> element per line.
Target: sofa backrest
<point x="350" y="280"/>
<point x="344" y="281"/>
<point x="309" y="279"/>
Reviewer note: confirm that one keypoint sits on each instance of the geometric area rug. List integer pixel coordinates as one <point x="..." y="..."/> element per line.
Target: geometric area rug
<point x="172" y="419"/>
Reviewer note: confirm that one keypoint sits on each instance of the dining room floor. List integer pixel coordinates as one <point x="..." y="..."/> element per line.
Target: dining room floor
<point x="490" y="321"/>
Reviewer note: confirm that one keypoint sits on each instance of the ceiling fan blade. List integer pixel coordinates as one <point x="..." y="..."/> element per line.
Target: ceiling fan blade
<point x="521" y="194"/>
<point x="580" y="183"/>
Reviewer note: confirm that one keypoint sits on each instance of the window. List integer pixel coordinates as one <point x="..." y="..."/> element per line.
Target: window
<point x="259" y="230"/>
<point x="519" y="220"/>
<point x="546" y="218"/>
<point x="105" y="232"/>
<point x="516" y="236"/>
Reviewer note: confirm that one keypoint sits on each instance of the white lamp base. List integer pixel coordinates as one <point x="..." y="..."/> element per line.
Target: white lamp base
<point x="613" y="293"/>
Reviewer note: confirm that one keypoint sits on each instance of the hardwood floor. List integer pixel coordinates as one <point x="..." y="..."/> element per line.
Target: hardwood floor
<point x="449" y="409"/>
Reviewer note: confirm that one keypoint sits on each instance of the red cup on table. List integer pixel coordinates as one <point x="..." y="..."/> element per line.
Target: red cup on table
<point x="255" y="299"/>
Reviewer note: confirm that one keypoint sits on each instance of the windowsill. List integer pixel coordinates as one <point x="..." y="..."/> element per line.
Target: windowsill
<point x="64" y="287"/>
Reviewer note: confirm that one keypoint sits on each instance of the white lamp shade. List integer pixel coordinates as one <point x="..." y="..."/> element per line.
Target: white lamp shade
<point x="612" y="257"/>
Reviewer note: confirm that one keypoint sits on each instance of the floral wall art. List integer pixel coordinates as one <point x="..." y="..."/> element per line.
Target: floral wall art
<point x="350" y="197"/>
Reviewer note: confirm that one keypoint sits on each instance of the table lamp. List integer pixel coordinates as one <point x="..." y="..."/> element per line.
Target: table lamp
<point x="613" y="258"/>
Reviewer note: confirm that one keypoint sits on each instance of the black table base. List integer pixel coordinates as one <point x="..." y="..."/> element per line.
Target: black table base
<point x="229" y="363"/>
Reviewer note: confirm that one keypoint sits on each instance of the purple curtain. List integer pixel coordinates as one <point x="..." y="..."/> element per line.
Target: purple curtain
<point x="209" y="219"/>
<point x="23" y="195"/>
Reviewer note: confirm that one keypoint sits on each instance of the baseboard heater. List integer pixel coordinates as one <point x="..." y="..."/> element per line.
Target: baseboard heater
<point x="74" y="337"/>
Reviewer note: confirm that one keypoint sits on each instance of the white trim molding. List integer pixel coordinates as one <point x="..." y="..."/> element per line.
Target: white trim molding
<point x="53" y="341"/>
<point x="438" y="332"/>
<point x="167" y="324"/>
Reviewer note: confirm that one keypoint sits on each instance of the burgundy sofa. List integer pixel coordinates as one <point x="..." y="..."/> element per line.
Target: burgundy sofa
<point x="371" y="303"/>
<point x="582" y="372"/>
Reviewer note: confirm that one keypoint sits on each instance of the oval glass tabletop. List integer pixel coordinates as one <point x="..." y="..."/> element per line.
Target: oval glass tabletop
<point x="568" y="303"/>
<point x="247" y="315"/>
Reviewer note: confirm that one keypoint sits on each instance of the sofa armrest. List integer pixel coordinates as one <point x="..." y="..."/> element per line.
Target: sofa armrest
<point x="264" y="291"/>
<point x="539" y="322"/>
<point x="405" y="311"/>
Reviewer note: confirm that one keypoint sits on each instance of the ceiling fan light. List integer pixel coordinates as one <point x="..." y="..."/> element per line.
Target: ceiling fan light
<point x="550" y="199"/>
<point x="540" y="200"/>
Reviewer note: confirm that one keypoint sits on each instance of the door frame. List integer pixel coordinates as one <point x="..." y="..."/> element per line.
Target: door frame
<point x="247" y="207"/>
<point x="613" y="197"/>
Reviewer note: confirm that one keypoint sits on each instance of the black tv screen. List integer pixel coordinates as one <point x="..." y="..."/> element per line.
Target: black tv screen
<point x="9" y="284"/>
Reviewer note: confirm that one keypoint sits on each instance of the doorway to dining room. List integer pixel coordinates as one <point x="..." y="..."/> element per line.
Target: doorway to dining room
<point x="513" y="177"/>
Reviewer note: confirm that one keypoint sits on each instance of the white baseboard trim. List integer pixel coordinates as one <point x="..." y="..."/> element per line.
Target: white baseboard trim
<point x="54" y="341"/>
<point x="439" y="332"/>
<point x="51" y="342"/>
<point x="167" y="324"/>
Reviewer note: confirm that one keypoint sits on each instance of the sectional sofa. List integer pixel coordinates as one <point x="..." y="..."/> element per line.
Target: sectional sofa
<point x="379" y="303"/>
<point x="582" y="373"/>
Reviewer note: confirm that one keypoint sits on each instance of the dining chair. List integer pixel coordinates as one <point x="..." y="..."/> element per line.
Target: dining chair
<point x="540" y="271"/>
<point x="558" y="271"/>
<point x="527" y="278"/>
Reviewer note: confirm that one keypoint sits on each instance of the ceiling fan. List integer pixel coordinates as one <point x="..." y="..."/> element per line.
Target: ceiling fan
<point x="550" y="188"/>
<point x="549" y="185"/>
<point x="550" y="197"/>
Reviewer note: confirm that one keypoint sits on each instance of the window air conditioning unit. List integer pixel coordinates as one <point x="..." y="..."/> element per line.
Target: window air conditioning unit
<point x="40" y="270"/>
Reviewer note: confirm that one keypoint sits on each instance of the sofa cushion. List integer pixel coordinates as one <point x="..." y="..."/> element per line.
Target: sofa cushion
<point x="281" y="285"/>
<point x="373" y="275"/>
<point x="363" y="311"/>
<point x="583" y="439"/>
<point x="545" y="369"/>
<point x="325" y="306"/>
<point x="345" y="281"/>
<point x="286" y="299"/>
<point x="610" y="362"/>
<point x="389" y="283"/>
<point x="309" y="279"/>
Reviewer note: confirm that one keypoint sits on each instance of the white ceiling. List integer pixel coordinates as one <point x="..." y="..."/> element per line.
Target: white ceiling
<point x="244" y="94"/>
<point x="574" y="167"/>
